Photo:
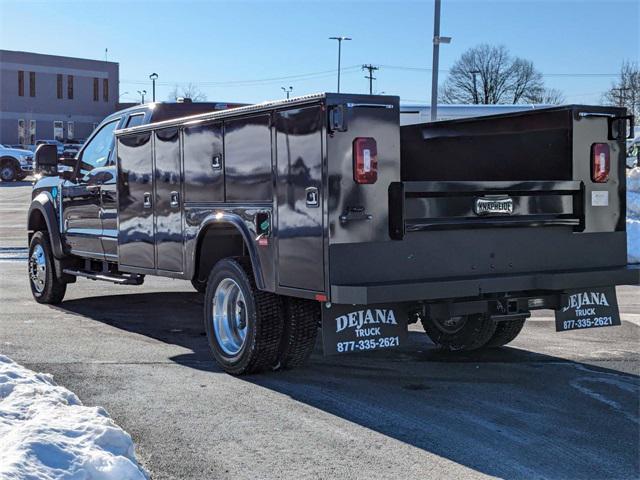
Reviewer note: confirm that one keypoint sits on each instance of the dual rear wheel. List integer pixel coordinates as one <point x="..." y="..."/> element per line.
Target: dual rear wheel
<point x="471" y="332"/>
<point x="250" y="330"/>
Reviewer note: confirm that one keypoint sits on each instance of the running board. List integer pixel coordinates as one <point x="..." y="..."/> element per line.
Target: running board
<point x="121" y="279"/>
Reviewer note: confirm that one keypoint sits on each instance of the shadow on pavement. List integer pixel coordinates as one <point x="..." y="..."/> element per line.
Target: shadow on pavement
<point x="507" y="412"/>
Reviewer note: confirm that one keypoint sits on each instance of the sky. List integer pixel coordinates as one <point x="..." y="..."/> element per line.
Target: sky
<point x="245" y="51"/>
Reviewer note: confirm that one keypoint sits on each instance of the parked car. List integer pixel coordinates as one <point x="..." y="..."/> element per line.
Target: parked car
<point x="15" y="163"/>
<point x="633" y="153"/>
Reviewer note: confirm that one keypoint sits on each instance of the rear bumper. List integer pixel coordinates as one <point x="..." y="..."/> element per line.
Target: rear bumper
<point x="464" y="287"/>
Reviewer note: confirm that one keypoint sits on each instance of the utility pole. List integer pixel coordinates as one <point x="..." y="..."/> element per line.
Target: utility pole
<point x="153" y="77"/>
<point x="339" y="39"/>
<point x="370" y="77"/>
<point x="621" y="95"/>
<point x="475" y="86"/>
<point x="287" y="91"/>
<point x="437" y="40"/>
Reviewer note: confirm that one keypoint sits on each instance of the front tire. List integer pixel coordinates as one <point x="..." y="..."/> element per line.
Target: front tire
<point x="244" y="325"/>
<point x="46" y="287"/>
<point x="8" y="172"/>
<point x="466" y="332"/>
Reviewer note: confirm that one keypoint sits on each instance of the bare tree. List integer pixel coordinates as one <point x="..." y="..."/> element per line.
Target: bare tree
<point x="625" y="91"/>
<point x="488" y="74"/>
<point x="190" y="90"/>
<point x="550" y="96"/>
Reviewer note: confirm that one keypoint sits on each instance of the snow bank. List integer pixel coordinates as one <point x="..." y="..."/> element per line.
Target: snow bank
<point x="46" y="432"/>
<point x="633" y="216"/>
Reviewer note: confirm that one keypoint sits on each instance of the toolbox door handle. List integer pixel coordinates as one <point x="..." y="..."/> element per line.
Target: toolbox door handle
<point x="311" y="194"/>
<point x="175" y="199"/>
<point x="146" y="200"/>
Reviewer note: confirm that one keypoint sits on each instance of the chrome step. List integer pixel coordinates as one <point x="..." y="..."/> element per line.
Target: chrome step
<point x="120" y="279"/>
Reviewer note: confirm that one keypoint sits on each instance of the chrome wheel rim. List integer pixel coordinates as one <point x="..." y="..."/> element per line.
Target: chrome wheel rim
<point x="229" y="317"/>
<point x="38" y="268"/>
<point x="6" y="173"/>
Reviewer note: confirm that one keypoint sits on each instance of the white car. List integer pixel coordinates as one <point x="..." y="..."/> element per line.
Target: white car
<point x="15" y="163"/>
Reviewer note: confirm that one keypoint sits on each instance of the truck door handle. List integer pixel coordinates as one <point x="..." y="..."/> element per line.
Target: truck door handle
<point x="146" y="200"/>
<point x="175" y="199"/>
<point x="311" y="194"/>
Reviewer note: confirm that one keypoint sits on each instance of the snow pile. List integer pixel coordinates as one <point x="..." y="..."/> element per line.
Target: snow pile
<point x="633" y="216"/>
<point x="46" y="432"/>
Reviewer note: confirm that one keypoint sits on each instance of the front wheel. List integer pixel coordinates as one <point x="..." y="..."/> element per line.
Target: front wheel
<point x="46" y="287"/>
<point x="465" y="332"/>
<point x="8" y="173"/>
<point x="244" y="325"/>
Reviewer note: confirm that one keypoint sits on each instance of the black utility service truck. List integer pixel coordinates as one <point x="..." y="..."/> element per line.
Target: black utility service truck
<point x="322" y="211"/>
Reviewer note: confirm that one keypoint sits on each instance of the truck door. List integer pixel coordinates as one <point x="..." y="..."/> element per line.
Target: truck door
<point x="168" y="200"/>
<point x="136" y="236"/>
<point x="82" y="220"/>
<point x="299" y="149"/>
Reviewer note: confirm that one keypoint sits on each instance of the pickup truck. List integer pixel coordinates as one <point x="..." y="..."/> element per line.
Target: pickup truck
<point x="15" y="163"/>
<point x="322" y="211"/>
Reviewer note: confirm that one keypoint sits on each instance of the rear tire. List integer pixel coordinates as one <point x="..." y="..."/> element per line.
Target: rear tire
<point x="46" y="286"/>
<point x="468" y="332"/>
<point x="243" y="324"/>
<point x="301" y="321"/>
<point x="505" y="332"/>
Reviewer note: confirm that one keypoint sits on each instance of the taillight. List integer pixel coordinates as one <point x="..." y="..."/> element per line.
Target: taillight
<point x="365" y="160"/>
<point x="600" y="162"/>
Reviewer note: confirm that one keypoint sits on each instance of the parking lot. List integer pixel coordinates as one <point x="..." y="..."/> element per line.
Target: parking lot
<point x="552" y="405"/>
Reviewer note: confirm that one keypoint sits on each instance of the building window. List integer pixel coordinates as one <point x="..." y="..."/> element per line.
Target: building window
<point x="59" y="85"/>
<point x="32" y="84"/>
<point x="70" y="87"/>
<point x="32" y="132"/>
<point x="96" y="94"/>
<point x="105" y="89"/>
<point x="20" y="83"/>
<point x="70" y="128"/>
<point x="21" y="132"/>
<point x="58" y="130"/>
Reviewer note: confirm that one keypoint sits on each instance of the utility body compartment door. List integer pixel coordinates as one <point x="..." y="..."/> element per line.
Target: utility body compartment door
<point x="300" y="198"/>
<point x="136" y="234"/>
<point x="167" y="205"/>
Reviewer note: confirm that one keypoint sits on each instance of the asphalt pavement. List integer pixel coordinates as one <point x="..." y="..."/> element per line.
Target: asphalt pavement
<point x="552" y="405"/>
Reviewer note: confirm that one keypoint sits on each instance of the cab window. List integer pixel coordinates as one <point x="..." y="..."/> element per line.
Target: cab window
<point x="96" y="152"/>
<point x="135" y="120"/>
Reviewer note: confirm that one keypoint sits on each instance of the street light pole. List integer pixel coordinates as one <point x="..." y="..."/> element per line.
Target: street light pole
<point x="437" y="40"/>
<point x="153" y="77"/>
<point x="287" y="91"/>
<point x="339" y="39"/>
<point x="142" y="94"/>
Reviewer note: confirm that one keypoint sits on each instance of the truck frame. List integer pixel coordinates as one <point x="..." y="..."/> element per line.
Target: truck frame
<point x="321" y="211"/>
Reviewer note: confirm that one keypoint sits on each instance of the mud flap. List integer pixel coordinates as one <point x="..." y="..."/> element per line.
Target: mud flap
<point x="361" y="328"/>
<point x="588" y="308"/>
